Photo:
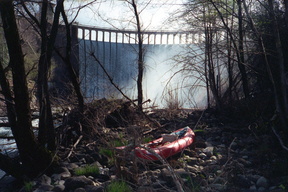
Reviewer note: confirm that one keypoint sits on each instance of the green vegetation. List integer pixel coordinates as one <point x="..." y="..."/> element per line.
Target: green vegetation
<point x="118" y="143"/>
<point x="28" y="186"/>
<point x="87" y="170"/>
<point x="118" y="186"/>
<point x="147" y="139"/>
<point x="107" y="152"/>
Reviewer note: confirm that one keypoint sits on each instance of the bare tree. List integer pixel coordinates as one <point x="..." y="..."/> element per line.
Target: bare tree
<point x="140" y="54"/>
<point x="34" y="158"/>
<point x="279" y="76"/>
<point x="73" y="76"/>
<point x="46" y="127"/>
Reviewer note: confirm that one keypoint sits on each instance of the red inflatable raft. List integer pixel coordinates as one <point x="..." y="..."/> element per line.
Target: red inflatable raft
<point x="167" y="145"/>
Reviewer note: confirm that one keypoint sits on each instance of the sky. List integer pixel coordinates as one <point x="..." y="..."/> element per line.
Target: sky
<point x="154" y="14"/>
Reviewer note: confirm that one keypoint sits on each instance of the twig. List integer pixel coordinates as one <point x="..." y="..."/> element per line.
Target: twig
<point x="74" y="146"/>
<point x="170" y="169"/>
<point x="6" y="100"/>
<point x="225" y="164"/>
<point x="279" y="139"/>
<point x="199" y="119"/>
<point x="4" y="124"/>
<point x="111" y="79"/>
<point x="229" y="148"/>
<point x="275" y="132"/>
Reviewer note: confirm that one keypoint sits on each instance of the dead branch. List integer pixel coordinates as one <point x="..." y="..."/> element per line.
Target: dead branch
<point x="6" y="137"/>
<point x="225" y="164"/>
<point x="279" y="139"/>
<point x="111" y="79"/>
<point x="74" y="146"/>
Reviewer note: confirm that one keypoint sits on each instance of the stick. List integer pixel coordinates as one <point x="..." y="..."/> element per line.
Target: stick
<point x="74" y="146"/>
<point x="279" y="139"/>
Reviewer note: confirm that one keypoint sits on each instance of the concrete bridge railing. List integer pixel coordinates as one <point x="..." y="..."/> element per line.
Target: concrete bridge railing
<point x="149" y="37"/>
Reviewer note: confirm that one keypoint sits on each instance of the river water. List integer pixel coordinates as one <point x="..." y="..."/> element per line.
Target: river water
<point x="8" y="145"/>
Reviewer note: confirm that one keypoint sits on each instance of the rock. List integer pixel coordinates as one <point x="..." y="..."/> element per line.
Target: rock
<point x="245" y="156"/>
<point x="221" y="146"/>
<point x="261" y="189"/>
<point x="80" y="190"/>
<point x="166" y="176"/>
<point x="234" y="145"/>
<point x="61" y="170"/>
<point x="91" y="188"/>
<point x="218" y="187"/>
<point x="102" y="159"/>
<point x="73" y="183"/>
<point x="213" y="157"/>
<point x="208" y="151"/>
<point x="183" y="173"/>
<point x="272" y="188"/>
<point x="200" y="143"/>
<point x="58" y="188"/>
<point x="56" y="177"/>
<point x="102" y="177"/>
<point x="192" y="160"/>
<point x="72" y="166"/>
<point x="219" y="172"/>
<point x="253" y="188"/>
<point x="202" y="155"/>
<point x="44" y="179"/>
<point x="65" y="175"/>
<point x="262" y="182"/>
<point x="209" y="142"/>
<point x="253" y="178"/>
<point x="242" y="181"/>
<point x="43" y="188"/>
<point x="192" y="169"/>
<point x="104" y="171"/>
<point x="145" y="189"/>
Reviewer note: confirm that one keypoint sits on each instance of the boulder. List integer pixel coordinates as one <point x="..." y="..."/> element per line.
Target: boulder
<point x="91" y="188"/>
<point x="73" y="183"/>
<point x="44" y="179"/>
<point x="262" y="182"/>
<point x="58" y="188"/>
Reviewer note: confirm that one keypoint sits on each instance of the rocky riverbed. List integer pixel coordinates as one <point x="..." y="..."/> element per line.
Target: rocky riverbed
<point x="225" y="156"/>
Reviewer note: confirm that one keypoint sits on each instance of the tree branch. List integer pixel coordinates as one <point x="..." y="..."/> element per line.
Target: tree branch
<point x="111" y="79"/>
<point x="279" y="139"/>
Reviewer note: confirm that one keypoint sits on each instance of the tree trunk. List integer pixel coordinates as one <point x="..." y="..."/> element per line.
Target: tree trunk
<point x="211" y="68"/>
<point x="241" y="61"/>
<point x="279" y="74"/>
<point x="73" y="76"/>
<point x="286" y="12"/>
<point x="46" y="127"/>
<point x="278" y="78"/>
<point x="140" y="57"/>
<point x="240" y="65"/>
<point x="33" y="158"/>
